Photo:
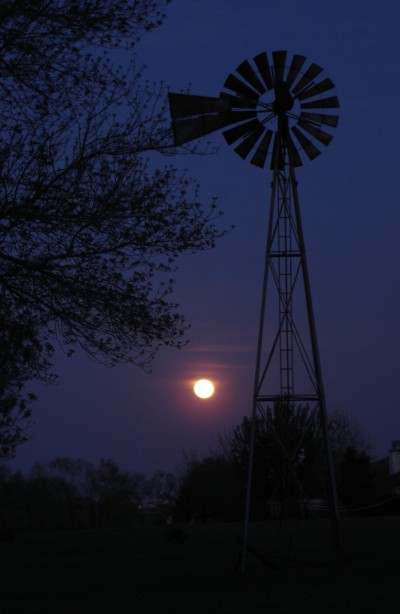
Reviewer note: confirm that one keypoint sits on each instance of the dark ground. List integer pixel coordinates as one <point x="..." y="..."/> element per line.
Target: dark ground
<point x="150" y="569"/>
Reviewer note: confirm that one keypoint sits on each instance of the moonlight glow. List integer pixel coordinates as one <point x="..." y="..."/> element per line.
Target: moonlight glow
<point x="203" y="388"/>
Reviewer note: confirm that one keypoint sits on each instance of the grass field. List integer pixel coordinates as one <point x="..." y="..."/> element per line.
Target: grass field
<point x="142" y="570"/>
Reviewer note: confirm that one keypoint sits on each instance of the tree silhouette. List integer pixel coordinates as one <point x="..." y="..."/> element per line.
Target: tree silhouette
<point x="92" y="219"/>
<point x="210" y="488"/>
<point x="356" y="483"/>
<point x="287" y="454"/>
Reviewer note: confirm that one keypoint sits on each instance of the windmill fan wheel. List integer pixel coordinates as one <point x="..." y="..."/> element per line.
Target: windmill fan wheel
<point x="261" y="103"/>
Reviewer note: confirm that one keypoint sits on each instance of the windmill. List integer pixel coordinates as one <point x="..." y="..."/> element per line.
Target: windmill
<point x="276" y="113"/>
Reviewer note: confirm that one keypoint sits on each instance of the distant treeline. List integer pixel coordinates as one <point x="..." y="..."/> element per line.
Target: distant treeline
<point x="288" y="480"/>
<point x="72" y="493"/>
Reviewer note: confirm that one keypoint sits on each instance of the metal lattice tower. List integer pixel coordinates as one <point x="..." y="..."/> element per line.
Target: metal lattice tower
<point x="274" y="112"/>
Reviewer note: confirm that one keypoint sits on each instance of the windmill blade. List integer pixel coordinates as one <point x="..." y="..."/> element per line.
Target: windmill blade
<point x="236" y="85"/>
<point x="248" y="73"/>
<point x="313" y="71"/>
<point x="261" y="153"/>
<point x="321" y="136"/>
<point x="262" y="64"/>
<point x="318" y="88"/>
<point x="244" y="148"/>
<point x="295" y="67"/>
<point x="186" y="130"/>
<point x="279" y="58"/>
<point x="238" y="102"/>
<point x="321" y="103"/>
<point x="310" y="149"/>
<point x="187" y="105"/>
<point x="237" y="132"/>
<point x="319" y="118"/>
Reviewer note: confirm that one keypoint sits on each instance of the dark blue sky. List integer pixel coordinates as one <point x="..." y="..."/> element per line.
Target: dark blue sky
<point x="350" y="203"/>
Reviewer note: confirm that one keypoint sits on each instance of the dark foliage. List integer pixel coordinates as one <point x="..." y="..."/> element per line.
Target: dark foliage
<point x="289" y="467"/>
<point x="74" y="494"/>
<point x="210" y="489"/>
<point x="287" y="455"/>
<point x="356" y="482"/>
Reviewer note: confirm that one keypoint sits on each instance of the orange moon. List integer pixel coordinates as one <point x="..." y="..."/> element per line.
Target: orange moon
<point x="203" y="388"/>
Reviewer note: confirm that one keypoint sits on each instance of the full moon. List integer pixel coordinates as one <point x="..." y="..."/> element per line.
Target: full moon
<point x="203" y="388"/>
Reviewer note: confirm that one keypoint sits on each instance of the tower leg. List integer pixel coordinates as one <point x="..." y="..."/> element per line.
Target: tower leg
<point x="331" y="481"/>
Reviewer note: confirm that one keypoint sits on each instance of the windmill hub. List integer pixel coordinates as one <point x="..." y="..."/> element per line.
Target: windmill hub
<point x="284" y="101"/>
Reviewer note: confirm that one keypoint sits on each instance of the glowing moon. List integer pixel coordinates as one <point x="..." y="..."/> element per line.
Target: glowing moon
<point x="203" y="388"/>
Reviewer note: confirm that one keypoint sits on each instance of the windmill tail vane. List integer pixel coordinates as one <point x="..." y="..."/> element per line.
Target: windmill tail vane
<point x="260" y="104"/>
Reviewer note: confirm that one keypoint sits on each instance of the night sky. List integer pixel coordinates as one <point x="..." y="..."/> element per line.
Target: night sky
<point x="350" y="206"/>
